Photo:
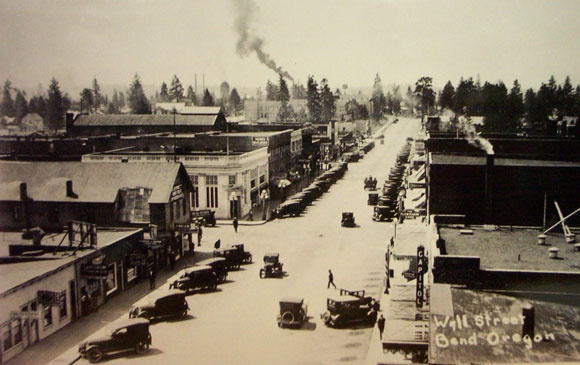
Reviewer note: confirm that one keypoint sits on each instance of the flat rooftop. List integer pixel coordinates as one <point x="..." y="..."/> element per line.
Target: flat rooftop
<point x="15" y="274"/>
<point x="499" y="249"/>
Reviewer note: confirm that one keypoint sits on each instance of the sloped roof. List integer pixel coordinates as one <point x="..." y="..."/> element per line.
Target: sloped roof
<point x="126" y="120"/>
<point x="92" y="182"/>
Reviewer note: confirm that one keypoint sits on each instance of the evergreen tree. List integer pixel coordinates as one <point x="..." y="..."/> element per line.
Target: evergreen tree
<point x="314" y="101"/>
<point x="175" y="90"/>
<point x="207" y="98"/>
<point x="138" y="102"/>
<point x="566" y="98"/>
<point x="121" y="100"/>
<point x="530" y="105"/>
<point x="20" y="106"/>
<point x="164" y="94"/>
<point x="447" y="96"/>
<point x="515" y="105"/>
<point x="235" y="100"/>
<point x="7" y="107"/>
<point x="55" y="107"/>
<point x="378" y="99"/>
<point x="286" y="112"/>
<point x="494" y="107"/>
<point x="328" y="102"/>
<point x="87" y="100"/>
<point x="191" y="97"/>
<point x="272" y="91"/>
<point x="115" y="102"/>
<point x="97" y="97"/>
<point x="112" y="109"/>
<point x="37" y="104"/>
<point x="425" y="94"/>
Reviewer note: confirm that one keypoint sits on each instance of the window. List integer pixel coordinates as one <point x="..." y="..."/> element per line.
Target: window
<point x="111" y="281"/>
<point x="53" y="214"/>
<point x="212" y="196"/>
<point x="16" y="331"/>
<point x="62" y="304"/>
<point x="176" y="208"/>
<point x="232" y="179"/>
<point x="194" y="197"/>
<point x="211" y="180"/>
<point x="252" y="183"/>
<point x="194" y="179"/>
<point x="262" y="179"/>
<point x="6" y="336"/>
<point x="47" y="315"/>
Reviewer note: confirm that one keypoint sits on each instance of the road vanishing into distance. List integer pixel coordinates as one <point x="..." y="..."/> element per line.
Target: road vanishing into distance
<point x="237" y="323"/>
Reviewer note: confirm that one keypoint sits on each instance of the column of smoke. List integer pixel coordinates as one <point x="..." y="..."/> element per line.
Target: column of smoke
<point x="466" y="128"/>
<point x="248" y="42"/>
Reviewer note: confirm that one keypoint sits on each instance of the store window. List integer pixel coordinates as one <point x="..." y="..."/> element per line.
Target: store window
<point x="111" y="281"/>
<point x="62" y="305"/>
<point x="11" y="333"/>
<point x="47" y="315"/>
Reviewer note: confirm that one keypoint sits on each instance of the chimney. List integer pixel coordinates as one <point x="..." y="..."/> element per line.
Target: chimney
<point x="69" y="190"/>
<point x="23" y="192"/>
<point x="488" y="195"/>
<point x="529" y="314"/>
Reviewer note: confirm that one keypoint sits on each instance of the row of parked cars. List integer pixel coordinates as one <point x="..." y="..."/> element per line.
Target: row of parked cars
<point x="349" y="307"/>
<point x="133" y="333"/>
<point x="386" y="206"/>
<point x="296" y="203"/>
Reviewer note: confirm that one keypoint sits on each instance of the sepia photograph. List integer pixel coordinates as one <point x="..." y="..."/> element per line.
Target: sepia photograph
<point x="249" y="182"/>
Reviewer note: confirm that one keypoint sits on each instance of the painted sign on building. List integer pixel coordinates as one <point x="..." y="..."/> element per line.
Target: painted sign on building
<point x="259" y="141"/>
<point x="421" y="269"/>
<point x="177" y="192"/>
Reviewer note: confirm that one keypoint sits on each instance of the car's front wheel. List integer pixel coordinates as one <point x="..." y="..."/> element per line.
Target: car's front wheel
<point x="95" y="355"/>
<point x="142" y="347"/>
<point x="262" y="273"/>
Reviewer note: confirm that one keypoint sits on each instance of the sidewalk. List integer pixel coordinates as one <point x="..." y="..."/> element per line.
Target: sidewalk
<point x="53" y="349"/>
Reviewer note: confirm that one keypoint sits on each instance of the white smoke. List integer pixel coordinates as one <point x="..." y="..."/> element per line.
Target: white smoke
<point x="249" y="42"/>
<point x="465" y="127"/>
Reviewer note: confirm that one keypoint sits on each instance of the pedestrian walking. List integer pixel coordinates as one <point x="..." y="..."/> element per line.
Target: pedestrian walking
<point x="199" y="235"/>
<point x="172" y="259"/>
<point x="381" y="325"/>
<point x="251" y="214"/>
<point x="330" y="280"/>
<point x="217" y="244"/>
<point x="392" y="242"/>
<point x="151" y="274"/>
<point x="236" y="224"/>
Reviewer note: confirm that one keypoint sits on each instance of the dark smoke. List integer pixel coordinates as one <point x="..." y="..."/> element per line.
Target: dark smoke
<point x="248" y="42"/>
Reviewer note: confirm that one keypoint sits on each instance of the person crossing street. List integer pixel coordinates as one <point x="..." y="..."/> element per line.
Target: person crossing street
<point x="330" y="280"/>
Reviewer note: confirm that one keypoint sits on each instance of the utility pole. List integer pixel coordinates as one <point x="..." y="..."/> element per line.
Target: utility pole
<point x="174" y="137"/>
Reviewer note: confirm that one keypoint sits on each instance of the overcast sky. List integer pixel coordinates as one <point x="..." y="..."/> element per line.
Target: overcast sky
<point x="347" y="42"/>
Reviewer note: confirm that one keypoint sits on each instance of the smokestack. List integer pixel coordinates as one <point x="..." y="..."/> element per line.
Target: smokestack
<point x="69" y="190"/>
<point x="488" y="194"/>
<point x="529" y="314"/>
<point x="23" y="192"/>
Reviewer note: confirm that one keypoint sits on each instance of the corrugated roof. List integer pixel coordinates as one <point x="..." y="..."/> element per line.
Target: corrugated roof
<point x="94" y="120"/>
<point x="92" y="182"/>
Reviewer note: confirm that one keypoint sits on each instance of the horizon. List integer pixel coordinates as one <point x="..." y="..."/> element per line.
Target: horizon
<point x="401" y="41"/>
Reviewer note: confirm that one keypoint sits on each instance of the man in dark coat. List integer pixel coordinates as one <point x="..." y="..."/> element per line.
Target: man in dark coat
<point x="236" y="224"/>
<point x="330" y="280"/>
<point x="381" y="325"/>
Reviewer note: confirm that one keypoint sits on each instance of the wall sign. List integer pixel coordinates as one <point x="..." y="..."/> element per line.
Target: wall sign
<point x="421" y="269"/>
<point x="260" y="141"/>
<point x="90" y="271"/>
<point x="177" y="192"/>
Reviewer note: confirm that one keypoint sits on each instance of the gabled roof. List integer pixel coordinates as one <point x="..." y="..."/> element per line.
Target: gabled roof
<point x="92" y="182"/>
<point x="135" y="120"/>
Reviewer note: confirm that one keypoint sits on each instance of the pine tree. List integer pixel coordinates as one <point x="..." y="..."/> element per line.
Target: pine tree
<point x="235" y="100"/>
<point x="7" y="107"/>
<point x="163" y="94"/>
<point x="176" y="90"/>
<point x="20" y="106"/>
<point x="314" y="103"/>
<point x="87" y="100"/>
<point x="327" y="101"/>
<point x="447" y="96"/>
<point x="97" y="97"/>
<point x="55" y="107"/>
<point x="207" y="98"/>
<point x="138" y="102"/>
<point x="378" y="99"/>
<point x="191" y="97"/>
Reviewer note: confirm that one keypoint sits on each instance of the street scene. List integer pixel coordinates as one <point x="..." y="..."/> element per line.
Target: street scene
<point x="249" y="182"/>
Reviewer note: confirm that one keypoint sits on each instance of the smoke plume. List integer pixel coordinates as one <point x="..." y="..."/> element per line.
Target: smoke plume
<point x="249" y="42"/>
<point x="465" y="126"/>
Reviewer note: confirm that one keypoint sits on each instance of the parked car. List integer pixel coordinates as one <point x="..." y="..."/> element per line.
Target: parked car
<point x="203" y="217"/>
<point x="130" y="334"/>
<point x="289" y="207"/>
<point x="163" y="303"/>
<point x="344" y="310"/>
<point x="383" y="213"/>
<point x="219" y="265"/>
<point x="293" y="312"/>
<point x="373" y="199"/>
<point x="246" y="255"/>
<point x="347" y="219"/>
<point x="272" y="266"/>
<point x="195" y="278"/>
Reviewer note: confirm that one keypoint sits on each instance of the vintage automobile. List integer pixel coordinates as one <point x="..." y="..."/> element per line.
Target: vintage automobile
<point x="219" y="265"/>
<point x="126" y="335"/>
<point x="289" y="207"/>
<point x="370" y="183"/>
<point x="235" y="256"/>
<point x="163" y="303"/>
<point x="272" y="266"/>
<point x="246" y="255"/>
<point x="347" y="219"/>
<point x="383" y="213"/>
<point x="203" y="217"/>
<point x="344" y="310"/>
<point x="195" y="278"/>
<point x="373" y="199"/>
<point x="293" y="312"/>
